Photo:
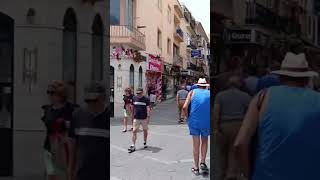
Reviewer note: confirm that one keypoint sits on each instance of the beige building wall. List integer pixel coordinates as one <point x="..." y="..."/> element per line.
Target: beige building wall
<point x="155" y="18"/>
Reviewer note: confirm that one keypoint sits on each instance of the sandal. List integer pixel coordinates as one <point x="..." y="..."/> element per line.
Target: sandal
<point x="195" y="171"/>
<point x="204" y="168"/>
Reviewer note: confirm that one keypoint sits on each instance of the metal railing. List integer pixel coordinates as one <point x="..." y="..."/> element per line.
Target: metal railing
<point x="177" y="60"/>
<point x="124" y="31"/>
<point x="179" y="32"/>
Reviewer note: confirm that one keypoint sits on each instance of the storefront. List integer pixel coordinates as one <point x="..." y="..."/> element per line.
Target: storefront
<point x="168" y="82"/>
<point x="153" y="75"/>
<point x="250" y="44"/>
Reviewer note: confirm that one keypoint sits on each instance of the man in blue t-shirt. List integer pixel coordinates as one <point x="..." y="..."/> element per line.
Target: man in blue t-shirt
<point x="141" y="110"/>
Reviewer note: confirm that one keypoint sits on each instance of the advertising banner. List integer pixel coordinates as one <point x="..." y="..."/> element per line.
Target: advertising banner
<point x="154" y="63"/>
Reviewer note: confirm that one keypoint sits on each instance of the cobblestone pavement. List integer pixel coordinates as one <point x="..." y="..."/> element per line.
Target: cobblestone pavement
<point x="169" y="155"/>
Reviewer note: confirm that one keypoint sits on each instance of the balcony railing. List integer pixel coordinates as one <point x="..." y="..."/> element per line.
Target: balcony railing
<point x="127" y="35"/>
<point x="177" y="60"/>
<point x="179" y="32"/>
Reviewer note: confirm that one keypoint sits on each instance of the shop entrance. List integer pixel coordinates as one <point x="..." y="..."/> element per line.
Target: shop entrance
<point x="6" y="97"/>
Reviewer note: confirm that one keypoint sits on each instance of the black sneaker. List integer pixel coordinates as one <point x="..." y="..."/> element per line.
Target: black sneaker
<point x="145" y="145"/>
<point x="204" y="168"/>
<point x="131" y="149"/>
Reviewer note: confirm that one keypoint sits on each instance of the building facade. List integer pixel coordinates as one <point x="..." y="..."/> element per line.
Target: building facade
<point x="127" y="64"/>
<point x="44" y="40"/>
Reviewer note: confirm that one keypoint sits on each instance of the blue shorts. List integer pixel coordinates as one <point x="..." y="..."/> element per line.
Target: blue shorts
<point x="199" y="132"/>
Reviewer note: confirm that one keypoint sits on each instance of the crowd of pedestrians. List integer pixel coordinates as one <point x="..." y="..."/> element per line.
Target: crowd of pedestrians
<point x="264" y="127"/>
<point x="77" y="142"/>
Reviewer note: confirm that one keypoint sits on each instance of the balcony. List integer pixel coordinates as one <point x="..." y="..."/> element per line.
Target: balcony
<point x="120" y="34"/>
<point x="179" y="34"/>
<point x="178" y="9"/>
<point x="177" y="60"/>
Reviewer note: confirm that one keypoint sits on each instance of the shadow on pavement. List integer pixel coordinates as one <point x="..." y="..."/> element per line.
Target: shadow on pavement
<point x="151" y="148"/>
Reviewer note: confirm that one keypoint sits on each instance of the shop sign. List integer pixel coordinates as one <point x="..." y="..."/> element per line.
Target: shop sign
<point x="154" y="63"/>
<point x="196" y="53"/>
<point x="240" y="36"/>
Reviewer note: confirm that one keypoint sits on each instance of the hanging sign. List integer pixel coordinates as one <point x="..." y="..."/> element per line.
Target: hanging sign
<point x="154" y="63"/>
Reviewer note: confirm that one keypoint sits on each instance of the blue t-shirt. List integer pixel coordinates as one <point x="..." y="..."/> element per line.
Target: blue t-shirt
<point x="200" y="109"/>
<point x="287" y="145"/>
<point x="194" y="87"/>
<point x="140" y="107"/>
<point x="267" y="81"/>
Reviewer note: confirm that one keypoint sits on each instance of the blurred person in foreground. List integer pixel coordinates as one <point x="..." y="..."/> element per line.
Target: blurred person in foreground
<point x="180" y="100"/>
<point x="229" y="110"/>
<point x="199" y="123"/>
<point x="90" y="137"/>
<point x="285" y="121"/>
<point x="57" y="117"/>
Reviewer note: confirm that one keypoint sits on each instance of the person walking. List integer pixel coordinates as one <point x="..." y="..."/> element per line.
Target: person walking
<point x="141" y="109"/>
<point x="127" y="98"/>
<point x="153" y="99"/>
<point x="269" y="79"/>
<point x="199" y="123"/>
<point x="252" y="80"/>
<point x="89" y="136"/>
<point x="180" y="100"/>
<point x="229" y="110"/>
<point x="282" y="124"/>
<point x="56" y="118"/>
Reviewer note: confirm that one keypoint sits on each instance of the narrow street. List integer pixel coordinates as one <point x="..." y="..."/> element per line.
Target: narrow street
<point x="169" y="155"/>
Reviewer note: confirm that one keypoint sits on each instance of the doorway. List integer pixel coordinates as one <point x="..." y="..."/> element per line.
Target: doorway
<point x="6" y="96"/>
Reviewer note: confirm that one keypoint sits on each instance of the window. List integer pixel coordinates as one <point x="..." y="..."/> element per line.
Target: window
<point x="129" y="13"/>
<point x="160" y="4"/>
<point x="97" y="49"/>
<point x="176" y="50"/>
<point x="169" y="46"/>
<point x="169" y="14"/>
<point x="115" y="12"/>
<point x="131" y="77"/>
<point x="159" y="43"/>
<point x="69" y="50"/>
<point x="140" y="77"/>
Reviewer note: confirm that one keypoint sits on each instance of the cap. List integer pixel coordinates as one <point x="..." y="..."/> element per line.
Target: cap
<point x="139" y="90"/>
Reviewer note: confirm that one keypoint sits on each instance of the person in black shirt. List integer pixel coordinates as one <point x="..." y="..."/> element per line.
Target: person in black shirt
<point x="89" y="133"/>
<point x="141" y="109"/>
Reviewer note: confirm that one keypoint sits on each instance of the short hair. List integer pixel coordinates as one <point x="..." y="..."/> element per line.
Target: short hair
<point x="234" y="81"/>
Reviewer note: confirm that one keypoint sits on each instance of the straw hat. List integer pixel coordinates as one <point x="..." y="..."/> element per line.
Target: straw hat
<point x="295" y="66"/>
<point x="202" y="82"/>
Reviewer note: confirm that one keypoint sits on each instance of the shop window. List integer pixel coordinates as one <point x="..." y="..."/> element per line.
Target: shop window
<point x="97" y="49"/>
<point x="69" y="49"/>
<point x="140" y="77"/>
<point x="131" y="77"/>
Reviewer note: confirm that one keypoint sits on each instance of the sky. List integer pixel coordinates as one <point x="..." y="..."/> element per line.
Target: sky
<point x="200" y="10"/>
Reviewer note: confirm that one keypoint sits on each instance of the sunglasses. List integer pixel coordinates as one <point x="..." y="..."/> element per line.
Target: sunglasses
<point x="51" y="93"/>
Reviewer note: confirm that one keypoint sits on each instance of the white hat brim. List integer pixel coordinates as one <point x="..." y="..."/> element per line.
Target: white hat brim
<point x="295" y="74"/>
<point x="205" y="85"/>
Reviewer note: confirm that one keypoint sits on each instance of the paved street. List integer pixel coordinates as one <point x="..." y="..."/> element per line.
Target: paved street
<point x="169" y="155"/>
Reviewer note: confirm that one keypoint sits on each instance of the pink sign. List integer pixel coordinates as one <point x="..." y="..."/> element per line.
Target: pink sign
<point x="154" y="63"/>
